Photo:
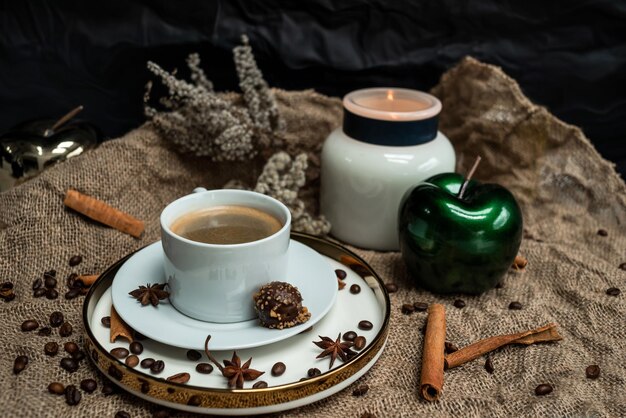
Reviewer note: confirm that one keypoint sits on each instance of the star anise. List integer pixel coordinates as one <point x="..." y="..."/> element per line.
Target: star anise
<point x="233" y="370"/>
<point x="334" y="349"/>
<point x="150" y="293"/>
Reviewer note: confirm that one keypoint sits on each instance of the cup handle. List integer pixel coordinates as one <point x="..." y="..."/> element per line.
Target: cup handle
<point x="199" y="190"/>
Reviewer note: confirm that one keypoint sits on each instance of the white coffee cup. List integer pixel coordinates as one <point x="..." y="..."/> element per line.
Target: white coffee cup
<point x="215" y="282"/>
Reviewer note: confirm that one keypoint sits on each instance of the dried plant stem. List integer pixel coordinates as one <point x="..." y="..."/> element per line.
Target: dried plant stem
<point x="210" y="356"/>
<point x="469" y="177"/>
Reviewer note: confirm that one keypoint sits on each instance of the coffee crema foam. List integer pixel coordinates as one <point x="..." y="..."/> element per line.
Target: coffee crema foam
<point x="228" y="224"/>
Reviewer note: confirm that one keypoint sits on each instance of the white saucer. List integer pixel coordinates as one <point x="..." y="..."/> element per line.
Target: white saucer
<point x="309" y="271"/>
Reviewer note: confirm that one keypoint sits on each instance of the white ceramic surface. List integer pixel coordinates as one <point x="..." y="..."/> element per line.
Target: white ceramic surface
<point x="306" y="269"/>
<point x="298" y="352"/>
<point x="213" y="282"/>
<point x="363" y="184"/>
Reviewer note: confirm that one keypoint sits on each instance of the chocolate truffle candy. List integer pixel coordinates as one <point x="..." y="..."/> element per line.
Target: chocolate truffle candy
<point x="279" y="305"/>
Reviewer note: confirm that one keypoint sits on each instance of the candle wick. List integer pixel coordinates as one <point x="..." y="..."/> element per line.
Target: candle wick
<point x="62" y="121"/>
<point x="469" y="176"/>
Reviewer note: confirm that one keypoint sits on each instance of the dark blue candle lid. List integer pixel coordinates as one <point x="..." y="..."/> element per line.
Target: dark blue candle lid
<point x="391" y="116"/>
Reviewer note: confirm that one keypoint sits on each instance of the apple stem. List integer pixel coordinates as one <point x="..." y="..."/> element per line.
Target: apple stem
<point x="63" y="120"/>
<point x="469" y="177"/>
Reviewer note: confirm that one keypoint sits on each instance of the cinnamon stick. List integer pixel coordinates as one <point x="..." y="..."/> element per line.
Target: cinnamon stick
<point x="103" y="213"/>
<point x="88" y="279"/>
<point x="119" y="327"/>
<point x="431" y="382"/>
<point x="543" y="334"/>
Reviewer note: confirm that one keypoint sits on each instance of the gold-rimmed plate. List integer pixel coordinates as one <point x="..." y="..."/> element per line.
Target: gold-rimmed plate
<point x="209" y="393"/>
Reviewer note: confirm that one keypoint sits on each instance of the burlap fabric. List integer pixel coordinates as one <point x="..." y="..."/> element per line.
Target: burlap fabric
<point x="567" y="192"/>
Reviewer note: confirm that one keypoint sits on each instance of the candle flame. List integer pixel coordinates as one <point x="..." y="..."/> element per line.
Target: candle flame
<point x="389" y="94"/>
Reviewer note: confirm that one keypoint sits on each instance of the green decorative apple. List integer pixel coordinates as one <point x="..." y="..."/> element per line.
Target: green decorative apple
<point x="454" y="244"/>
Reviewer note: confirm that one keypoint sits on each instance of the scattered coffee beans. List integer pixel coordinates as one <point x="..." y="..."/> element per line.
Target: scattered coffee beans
<point x="360" y="390"/>
<point x="119" y="352"/>
<point x="69" y="364"/>
<point x="593" y="371"/>
<point x="115" y="373"/>
<point x="79" y="355"/>
<point x="72" y="293"/>
<point x="355" y="289"/>
<point x="132" y="361"/>
<point x="407" y="309"/>
<point x="341" y="274"/>
<point x="108" y="388"/>
<point x="450" y="347"/>
<point x="260" y="384"/>
<point x="157" y="367"/>
<point x="313" y="372"/>
<point x="365" y="325"/>
<point x="359" y="343"/>
<point x="136" y="347"/>
<point x="613" y="291"/>
<point x="56" y="388"/>
<point x="37" y="284"/>
<point x="65" y="330"/>
<point x="30" y="325"/>
<point x="147" y="363"/>
<point x="603" y="232"/>
<point x="278" y="369"/>
<point x="420" y="306"/>
<point x="51" y="348"/>
<point x="459" y="303"/>
<point x="515" y="306"/>
<point x="543" y="389"/>
<point x="19" y="364"/>
<point x="106" y="321"/>
<point x="204" y="368"/>
<point x="50" y="273"/>
<point x="39" y="292"/>
<point x="75" y="260"/>
<point x="52" y="294"/>
<point x="71" y="347"/>
<point x="349" y="336"/>
<point x="194" y="355"/>
<point x="88" y="385"/>
<point x="391" y="287"/>
<point x="50" y="282"/>
<point x="56" y="319"/>
<point x="45" y="331"/>
<point x="195" y="400"/>
<point x="179" y="378"/>
<point x="72" y="395"/>
<point x="489" y="365"/>
<point x="622" y="266"/>
<point x="122" y="414"/>
<point x="145" y="387"/>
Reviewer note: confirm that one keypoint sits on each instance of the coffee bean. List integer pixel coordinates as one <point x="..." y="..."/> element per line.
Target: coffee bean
<point x="157" y="367"/>
<point x="459" y="303"/>
<point x="179" y="378"/>
<point x="30" y="325"/>
<point x="45" y="331"/>
<point x="75" y="260"/>
<point x="450" y="347"/>
<point x="359" y="343"/>
<point x="19" y="364"/>
<point x="312" y="372"/>
<point x="56" y="388"/>
<point x="108" y="388"/>
<point x="622" y="266"/>
<point x="56" y="319"/>
<point x="69" y="364"/>
<point x="8" y="297"/>
<point x="37" y="284"/>
<point x="147" y="363"/>
<point x="420" y="306"/>
<point x="489" y="365"/>
<point x="613" y="291"/>
<point x="145" y="387"/>
<point x="65" y="330"/>
<point x="355" y="289"/>
<point x="260" y="384"/>
<point x="603" y="232"/>
<point x="194" y="400"/>
<point x="407" y="309"/>
<point x="71" y="347"/>
<point x="72" y="293"/>
<point x="119" y="352"/>
<point x="79" y="355"/>
<point x="349" y="336"/>
<point x="132" y="361"/>
<point x="50" y="273"/>
<point x="70" y="281"/>
<point x="194" y="355"/>
<point x="94" y="355"/>
<point x="341" y="274"/>
<point x="115" y="373"/>
<point x="136" y="347"/>
<point x="365" y="325"/>
<point x="278" y="368"/>
<point x="40" y="292"/>
<point x="204" y="368"/>
<point x="122" y="414"/>
<point x="543" y="389"/>
<point x="52" y="294"/>
<point x="302" y="379"/>
<point x="391" y="287"/>
<point x="593" y="371"/>
<point x="106" y="321"/>
<point x="51" y="348"/>
<point x="515" y="306"/>
<point x="361" y="390"/>
<point x="88" y="385"/>
<point x="6" y="286"/>
<point x="50" y="282"/>
<point x="72" y="395"/>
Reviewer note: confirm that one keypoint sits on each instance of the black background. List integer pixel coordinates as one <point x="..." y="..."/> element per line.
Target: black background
<point x="569" y="56"/>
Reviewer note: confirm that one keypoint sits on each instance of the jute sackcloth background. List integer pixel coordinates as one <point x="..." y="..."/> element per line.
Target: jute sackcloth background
<point x="567" y="192"/>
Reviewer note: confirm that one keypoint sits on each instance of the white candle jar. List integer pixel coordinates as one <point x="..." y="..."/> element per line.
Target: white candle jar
<point x="388" y="143"/>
